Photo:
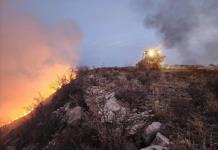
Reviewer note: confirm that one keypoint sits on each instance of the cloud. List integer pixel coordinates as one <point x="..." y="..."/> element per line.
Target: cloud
<point x="188" y="26"/>
<point x="31" y="56"/>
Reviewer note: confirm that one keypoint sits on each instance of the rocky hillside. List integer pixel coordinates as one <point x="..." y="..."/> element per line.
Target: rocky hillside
<point x="125" y="109"/>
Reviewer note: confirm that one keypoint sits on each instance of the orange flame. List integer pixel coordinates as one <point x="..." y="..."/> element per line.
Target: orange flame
<point x="46" y="91"/>
<point x="32" y="55"/>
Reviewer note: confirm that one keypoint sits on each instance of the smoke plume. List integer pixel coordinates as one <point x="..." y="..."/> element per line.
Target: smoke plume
<point x="31" y="57"/>
<point x="188" y="26"/>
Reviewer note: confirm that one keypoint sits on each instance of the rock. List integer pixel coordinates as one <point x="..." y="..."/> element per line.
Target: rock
<point x="66" y="107"/>
<point x="134" y="110"/>
<point x="30" y="147"/>
<point x="139" y="116"/>
<point x="11" y="148"/>
<point x="73" y="115"/>
<point x="160" y="140"/>
<point x="154" y="147"/>
<point x="133" y="129"/>
<point x="112" y="110"/>
<point x="150" y="132"/>
<point x="137" y="121"/>
<point x="110" y="96"/>
<point x="112" y="105"/>
<point x="153" y="128"/>
<point x="60" y="112"/>
<point x="130" y="146"/>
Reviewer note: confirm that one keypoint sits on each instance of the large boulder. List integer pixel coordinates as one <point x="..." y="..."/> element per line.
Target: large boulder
<point x="112" y="110"/>
<point x="132" y="130"/>
<point x="73" y="115"/>
<point x="160" y="140"/>
<point x="150" y="132"/>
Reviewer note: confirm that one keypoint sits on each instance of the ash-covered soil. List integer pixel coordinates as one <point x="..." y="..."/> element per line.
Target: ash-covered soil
<point x="125" y="109"/>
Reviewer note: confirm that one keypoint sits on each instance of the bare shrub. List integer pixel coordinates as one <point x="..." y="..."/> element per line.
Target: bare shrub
<point x="161" y="113"/>
<point x="181" y="111"/>
<point x="212" y="106"/>
<point x="112" y="134"/>
<point x="197" y="93"/>
<point x="212" y="84"/>
<point x="190" y="124"/>
<point x="77" y="137"/>
<point x="83" y="70"/>
<point x="64" y="79"/>
<point x="134" y="97"/>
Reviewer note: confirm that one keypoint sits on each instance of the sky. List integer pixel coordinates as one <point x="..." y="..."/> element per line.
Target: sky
<point x="112" y="30"/>
<point x="42" y="39"/>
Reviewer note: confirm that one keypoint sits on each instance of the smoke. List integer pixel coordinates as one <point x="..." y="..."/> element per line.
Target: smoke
<point x="31" y="56"/>
<point x="188" y="26"/>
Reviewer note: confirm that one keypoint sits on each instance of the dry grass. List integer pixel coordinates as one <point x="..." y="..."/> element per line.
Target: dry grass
<point x="188" y="121"/>
<point x="212" y="106"/>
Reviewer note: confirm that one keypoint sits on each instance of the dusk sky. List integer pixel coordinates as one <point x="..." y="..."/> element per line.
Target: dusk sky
<point x="40" y="39"/>
<point x="112" y="30"/>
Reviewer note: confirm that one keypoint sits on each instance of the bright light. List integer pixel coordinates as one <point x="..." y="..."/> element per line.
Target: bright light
<point x="153" y="53"/>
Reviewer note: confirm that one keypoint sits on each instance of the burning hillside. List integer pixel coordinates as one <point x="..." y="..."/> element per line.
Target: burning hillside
<point x="44" y="97"/>
<point x="148" y="106"/>
<point x="32" y="55"/>
<point x="125" y="108"/>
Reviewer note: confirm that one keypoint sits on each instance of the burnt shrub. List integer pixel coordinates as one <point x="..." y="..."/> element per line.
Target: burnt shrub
<point x="78" y="137"/>
<point x="212" y="106"/>
<point x="83" y="70"/>
<point x="197" y="94"/>
<point x="187" y="124"/>
<point x="147" y="77"/>
<point x="112" y="135"/>
<point x="42" y="127"/>
<point x="134" y="97"/>
<point x="212" y="85"/>
<point x="42" y="124"/>
<point x="144" y="78"/>
<point x="72" y="92"/>
<point x="200" y="100"/>
<point x="181" y="110"/>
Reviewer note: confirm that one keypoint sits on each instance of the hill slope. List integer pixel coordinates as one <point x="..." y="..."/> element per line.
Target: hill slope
<point x="125" y="108"/>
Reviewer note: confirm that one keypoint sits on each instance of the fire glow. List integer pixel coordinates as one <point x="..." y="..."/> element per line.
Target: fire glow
<point x="152" y="53"/>
<point x="152" y="59"/>
<point x="32" y="56"/>
<point x="45" y="92"/>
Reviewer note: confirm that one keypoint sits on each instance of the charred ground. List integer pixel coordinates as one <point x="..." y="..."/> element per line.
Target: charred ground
<point x="110" y="108"/>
